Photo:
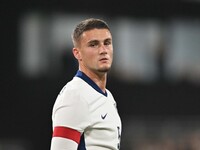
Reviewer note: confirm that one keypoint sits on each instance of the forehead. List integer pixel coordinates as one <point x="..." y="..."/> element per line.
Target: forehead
<point x="96" y="34"/>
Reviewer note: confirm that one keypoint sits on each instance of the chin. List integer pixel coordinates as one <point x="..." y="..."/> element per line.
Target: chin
<point x="104" y="70"/>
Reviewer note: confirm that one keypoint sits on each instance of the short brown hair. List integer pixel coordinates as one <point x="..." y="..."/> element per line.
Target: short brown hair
<point x="87" y="25"/>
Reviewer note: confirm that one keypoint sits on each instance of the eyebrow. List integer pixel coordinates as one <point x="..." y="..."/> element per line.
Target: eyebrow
<point x="92" y="41"/>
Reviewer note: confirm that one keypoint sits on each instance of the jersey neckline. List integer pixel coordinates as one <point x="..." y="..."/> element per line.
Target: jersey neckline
<point x="83" y="76"/>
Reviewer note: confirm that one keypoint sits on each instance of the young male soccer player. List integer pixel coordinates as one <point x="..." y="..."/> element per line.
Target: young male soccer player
<point x="85" y="115"/>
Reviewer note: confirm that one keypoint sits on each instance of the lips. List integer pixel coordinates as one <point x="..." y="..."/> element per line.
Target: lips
<point x="103" y="59"/>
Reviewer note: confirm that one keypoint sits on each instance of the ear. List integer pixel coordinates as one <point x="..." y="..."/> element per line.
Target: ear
<point x="76" y="53"/>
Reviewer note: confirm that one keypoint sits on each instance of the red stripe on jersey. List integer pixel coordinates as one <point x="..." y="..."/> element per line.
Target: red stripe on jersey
<point x="68" y="133"/>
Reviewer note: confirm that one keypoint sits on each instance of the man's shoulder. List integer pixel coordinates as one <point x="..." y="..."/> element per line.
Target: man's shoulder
<point x="76" y="84"/>
<point x="74" y="88"/>
<point x="70" y="94"/>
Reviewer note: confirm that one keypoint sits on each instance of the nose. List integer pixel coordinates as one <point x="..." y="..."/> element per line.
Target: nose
<point x="103" y="49"/>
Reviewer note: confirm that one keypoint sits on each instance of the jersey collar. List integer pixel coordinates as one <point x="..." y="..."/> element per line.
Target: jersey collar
<point x="83" y="76"/>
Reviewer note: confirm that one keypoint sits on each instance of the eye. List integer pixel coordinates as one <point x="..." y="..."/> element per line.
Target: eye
<point x="108" y="42"/>
<point x="93" y="44"/>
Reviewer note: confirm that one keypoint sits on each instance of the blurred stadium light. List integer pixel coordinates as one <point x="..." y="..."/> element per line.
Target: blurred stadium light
<point x="143" y="47"/>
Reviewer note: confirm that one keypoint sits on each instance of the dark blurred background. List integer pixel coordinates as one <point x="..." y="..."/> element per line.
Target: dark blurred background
<point x="155" y="77"/>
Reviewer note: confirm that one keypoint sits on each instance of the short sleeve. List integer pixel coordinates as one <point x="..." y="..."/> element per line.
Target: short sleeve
<point x="71" y="110"/>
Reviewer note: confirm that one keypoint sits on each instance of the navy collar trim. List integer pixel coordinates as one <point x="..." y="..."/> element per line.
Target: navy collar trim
<point x="83" y="76"/>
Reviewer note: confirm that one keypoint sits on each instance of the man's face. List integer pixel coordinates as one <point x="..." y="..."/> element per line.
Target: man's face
<point x="96" y="50"/>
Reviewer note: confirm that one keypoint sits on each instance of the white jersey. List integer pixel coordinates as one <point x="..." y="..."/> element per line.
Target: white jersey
<point x="85" y="115"/>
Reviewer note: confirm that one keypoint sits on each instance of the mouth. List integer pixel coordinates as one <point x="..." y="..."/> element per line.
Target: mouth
<point x="103" y="59"/>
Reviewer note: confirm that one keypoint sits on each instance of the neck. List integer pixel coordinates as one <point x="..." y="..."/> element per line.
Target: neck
<point x="98" y="77"/>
